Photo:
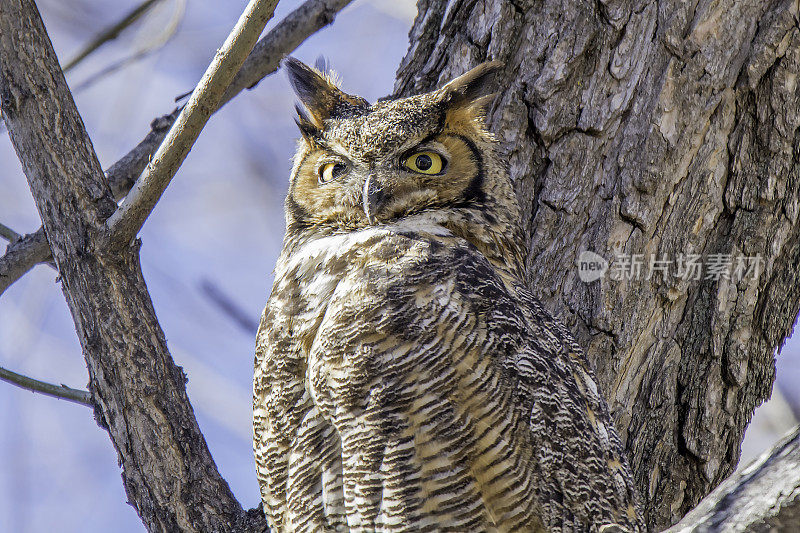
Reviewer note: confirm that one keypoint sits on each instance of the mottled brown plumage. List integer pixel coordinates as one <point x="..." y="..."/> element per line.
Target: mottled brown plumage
<point x="405" y="377"/>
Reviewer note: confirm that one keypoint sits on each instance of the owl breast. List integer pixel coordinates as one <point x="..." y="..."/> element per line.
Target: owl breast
<point x="314" y="271"/>
<point x="400" y="365"/>
<point x="405" y="377"/>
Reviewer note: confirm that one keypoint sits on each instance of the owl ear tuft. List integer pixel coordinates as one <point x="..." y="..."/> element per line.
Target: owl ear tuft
<point x="308" y="129"/>
<point x="322" y="64"/>
<point x="318" y="93"/>
<point x="473" y="88"/>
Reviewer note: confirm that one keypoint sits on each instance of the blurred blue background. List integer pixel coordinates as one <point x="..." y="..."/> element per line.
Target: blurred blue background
<point x="211" y="243"/>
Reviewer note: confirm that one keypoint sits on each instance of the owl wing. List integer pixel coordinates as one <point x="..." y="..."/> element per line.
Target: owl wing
<point x="434" y="393"/>
<point x="586" y="481"/>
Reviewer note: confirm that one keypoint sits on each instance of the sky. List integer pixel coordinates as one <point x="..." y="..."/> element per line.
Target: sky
<point x="217" y="230"/>
<point x="215" y="235"/>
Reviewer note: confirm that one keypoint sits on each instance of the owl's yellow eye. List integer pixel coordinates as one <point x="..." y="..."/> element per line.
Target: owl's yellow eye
<point x="424" y="162"/>
<point x="331" y="171"/>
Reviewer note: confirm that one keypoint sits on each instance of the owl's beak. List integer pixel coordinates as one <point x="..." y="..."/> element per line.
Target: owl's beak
<point x="372" y="197"/>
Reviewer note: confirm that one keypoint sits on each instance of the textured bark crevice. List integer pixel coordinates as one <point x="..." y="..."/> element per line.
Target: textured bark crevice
<point x="140" y="396"/>
<point x="764" y="496"/>
<point x="295" y="28"/>
<point x="631" y="127"/>
<point x="658" y="128"/>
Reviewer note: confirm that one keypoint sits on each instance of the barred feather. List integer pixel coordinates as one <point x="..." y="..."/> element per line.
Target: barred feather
<point x="405" y="377"/>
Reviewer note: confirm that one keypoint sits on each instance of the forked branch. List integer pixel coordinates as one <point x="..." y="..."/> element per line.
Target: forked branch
<point x="126" y="222"/>
<point x="300" y="24"/>
<point x="139" y="392"/>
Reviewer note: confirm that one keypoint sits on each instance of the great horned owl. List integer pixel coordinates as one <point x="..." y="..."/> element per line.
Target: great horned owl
<point x="405" y="377"/>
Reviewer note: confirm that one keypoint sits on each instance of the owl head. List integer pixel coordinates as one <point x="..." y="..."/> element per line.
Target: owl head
<point x="427" y="158"/>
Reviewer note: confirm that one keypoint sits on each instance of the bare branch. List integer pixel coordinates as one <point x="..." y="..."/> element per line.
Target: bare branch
<point x="153" y="45"/>
<point x="21" y="256"/>
<point x="295" y="28"/>
<point x="111" y="33"/>
<point x="263" y="60"/>
<point x="17" y="243"/>
<point x="229" y="307"/>
<point x="126" y="221"/>
<point x="9" y="234"/>
<point x="285" y="37"/>
<point x="765" y="496"/>
<point x="20" y="253"/>
<point x="122" y="174"/>
<point x="56" y="391"/>
<point x="140" y="394"/>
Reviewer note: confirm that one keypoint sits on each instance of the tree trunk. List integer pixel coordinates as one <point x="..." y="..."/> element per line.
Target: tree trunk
<point x="140" y="394"/>
<point x="631" y="128"/>
<point x="667" y="129"/>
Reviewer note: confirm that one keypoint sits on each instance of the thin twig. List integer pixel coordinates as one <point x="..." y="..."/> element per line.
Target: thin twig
<point x="9" y="234"/>
<point x="111" y="33"/>
<point x="229" y="307"/>
<point x="128" y="219"/>
<point x="22" y="255"/>
<point x="57" y="391"/>
<point x="154" y="46"/>
<point x="300" y="24"/>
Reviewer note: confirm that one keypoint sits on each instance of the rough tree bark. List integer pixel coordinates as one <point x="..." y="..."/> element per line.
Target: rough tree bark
<point x="631" y="127"/>
<point x="139" y="392"/>
<point x="658" y="128"/>
<point x="763" y="497"/>
<point x="296" y="27"/>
